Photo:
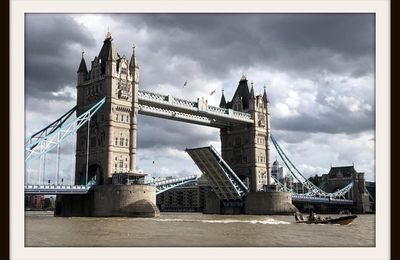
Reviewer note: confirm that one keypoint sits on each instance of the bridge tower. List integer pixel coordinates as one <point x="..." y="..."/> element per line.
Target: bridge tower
<point x="112" y="131"/>
<point x="245" y="147"/>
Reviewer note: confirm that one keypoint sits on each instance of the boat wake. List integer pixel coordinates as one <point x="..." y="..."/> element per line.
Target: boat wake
<point x="269" y="221"/>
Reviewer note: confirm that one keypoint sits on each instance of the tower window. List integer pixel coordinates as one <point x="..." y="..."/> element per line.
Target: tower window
<point x="116" y="141"/>
<point x="121" y="141"/>
<point x="116" y="117"/>
<point x="122" y="118"/>
<point x="126" y="141"/>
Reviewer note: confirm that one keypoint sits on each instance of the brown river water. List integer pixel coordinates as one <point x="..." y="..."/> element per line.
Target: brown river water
<point x="42" y="229"/>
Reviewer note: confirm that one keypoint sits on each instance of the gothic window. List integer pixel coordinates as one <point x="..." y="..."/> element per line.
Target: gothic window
<point x="121" y="141"/>
<point x="126" y="142"/>
<point x="127" y="119"/>
<point x="116" y="158"/>
<point x="116" y="141"/>
<point x="122" y="118"/>
<point x="116" y="165"/>
<point x="121" y="163"/>
<point x="116" y="117"/>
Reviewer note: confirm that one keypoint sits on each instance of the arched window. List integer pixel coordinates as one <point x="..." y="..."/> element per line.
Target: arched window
<point x="116" y="141"/>
<point x="126" y="142"/>
<point x="121" y="141"/>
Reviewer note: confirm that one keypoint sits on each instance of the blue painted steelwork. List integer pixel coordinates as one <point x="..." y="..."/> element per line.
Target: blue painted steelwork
<point x="313" y="190"/>
<point x="50" y="128"/>
<point x="162" y="186"/>
<point x="42" y="145"/>
<point x="226" y="184"/>
<point x="311" y="199"/>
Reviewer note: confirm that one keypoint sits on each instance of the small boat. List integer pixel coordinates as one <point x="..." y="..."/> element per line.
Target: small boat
<point x="345" y="219"/>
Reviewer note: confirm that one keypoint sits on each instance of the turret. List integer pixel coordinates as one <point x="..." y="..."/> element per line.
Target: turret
<point x="108" y="56"/>
<point x="134" y="67"/>
<point x="265" y="97"/>
<point x="268" y="127"/>
<point x="82" y="70"/>
<point x="134" y="72"/>
<point x="222" y="104"/>
<point x="240" y="100"/>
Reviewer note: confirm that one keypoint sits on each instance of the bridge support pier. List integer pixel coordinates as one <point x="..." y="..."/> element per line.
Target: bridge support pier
<point x="254" y="203"/>
<point x="110" y="201"/>
<point x="269" y="203"/>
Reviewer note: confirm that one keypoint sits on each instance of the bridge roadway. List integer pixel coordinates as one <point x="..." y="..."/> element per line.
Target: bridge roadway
<point x="163" y="186"/>
<point x="169" y="107"/>
<point x="57" y="189"/>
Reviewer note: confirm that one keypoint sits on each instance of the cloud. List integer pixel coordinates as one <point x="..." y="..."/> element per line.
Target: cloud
<point x="318" y="69"/>
<point x="53" y="44"/>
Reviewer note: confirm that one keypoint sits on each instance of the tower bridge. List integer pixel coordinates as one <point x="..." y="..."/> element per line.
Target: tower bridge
<point x="108" y="103"/>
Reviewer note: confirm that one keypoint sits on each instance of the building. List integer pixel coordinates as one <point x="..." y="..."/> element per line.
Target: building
<point x="189" y="197"/>
<point x="246" y="147"/>
<point x="278" y="171"/>
<point x="182" y="198"/>
<point x="112" y="130"/>
<point x="339" y="177"/>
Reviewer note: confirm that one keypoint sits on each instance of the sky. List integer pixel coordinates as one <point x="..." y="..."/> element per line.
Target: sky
<point x="318" y="69"/>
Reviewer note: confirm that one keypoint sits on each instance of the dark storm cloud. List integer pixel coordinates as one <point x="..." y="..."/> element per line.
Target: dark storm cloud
<point x="52" y="43"/>
<point x="180" y="47"/>
<point x="298" y="43"/>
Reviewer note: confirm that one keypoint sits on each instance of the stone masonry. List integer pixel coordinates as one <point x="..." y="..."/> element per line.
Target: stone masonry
<point x="112" y="141"/>
<point x="246" y="147"/>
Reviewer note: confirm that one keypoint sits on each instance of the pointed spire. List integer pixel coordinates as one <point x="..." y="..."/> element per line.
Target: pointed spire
<point x="133" y="63"/>
<point x="108" y="51"/>
<point x="252" y="95"/>
<point x="265" y="97"/>
<point x="223" y="100"/>
<point x="82" y="66"/>
<point x="108" y="35"/>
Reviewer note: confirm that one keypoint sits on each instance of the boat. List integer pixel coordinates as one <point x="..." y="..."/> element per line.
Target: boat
<point x="345" y="219"/>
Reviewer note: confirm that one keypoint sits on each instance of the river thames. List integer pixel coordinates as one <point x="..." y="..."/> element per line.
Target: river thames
<point x="42" y="229"/>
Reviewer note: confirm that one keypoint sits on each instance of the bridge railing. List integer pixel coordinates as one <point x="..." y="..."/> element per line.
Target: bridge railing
<point x="169" y="100"/>
<point x="170" y="181"/>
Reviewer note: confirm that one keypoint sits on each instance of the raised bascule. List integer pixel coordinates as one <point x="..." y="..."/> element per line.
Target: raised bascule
<point x="108" y="103"/>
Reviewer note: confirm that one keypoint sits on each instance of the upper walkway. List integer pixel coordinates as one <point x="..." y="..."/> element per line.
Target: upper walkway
<point x="169" y="107"/>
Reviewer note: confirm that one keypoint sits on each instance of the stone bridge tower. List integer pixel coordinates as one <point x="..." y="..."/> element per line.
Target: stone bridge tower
<point x="246" y="147"/>
<point x="112" y="131"/>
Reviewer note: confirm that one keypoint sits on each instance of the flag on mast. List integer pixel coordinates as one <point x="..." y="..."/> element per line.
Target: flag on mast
<point x="212" y="92"/>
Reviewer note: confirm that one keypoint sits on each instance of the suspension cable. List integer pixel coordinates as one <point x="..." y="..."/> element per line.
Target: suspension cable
<point x="311" y="187"/>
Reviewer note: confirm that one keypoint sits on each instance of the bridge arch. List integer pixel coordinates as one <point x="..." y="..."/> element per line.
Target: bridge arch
<point x="94" y="171"/>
